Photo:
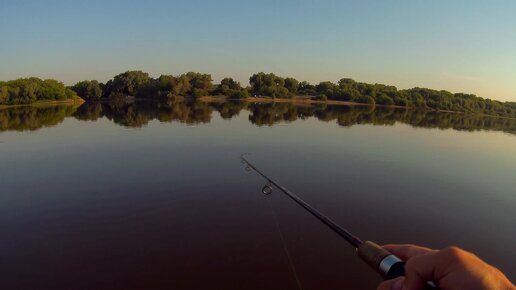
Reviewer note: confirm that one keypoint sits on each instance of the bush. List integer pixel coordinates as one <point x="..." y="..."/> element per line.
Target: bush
<point x="88" y="90"/>
<point x="384" y="100"/>
<point x="199" y="93"/>
<point x="401" y="102"/>
<point x="25" y="91"/>
<point x="321" y="97"/>
<point x="238" y="94"/>
<point x="365" y="100"/>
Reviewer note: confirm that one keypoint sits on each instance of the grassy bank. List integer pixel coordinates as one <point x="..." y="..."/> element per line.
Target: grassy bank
<point x="75" y="101"/>
<point x="300" y="100"/>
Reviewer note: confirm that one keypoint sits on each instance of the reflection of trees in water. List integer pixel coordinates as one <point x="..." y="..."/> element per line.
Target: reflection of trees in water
<point x="185" y="112"/>
<point x="270" y="114"/>
<point x="230" y="109"/>
<point x="89" y="111"/>
<point x="465" y="122"/>
<point x="137" y="114"/>
<point x="33" y="118"/>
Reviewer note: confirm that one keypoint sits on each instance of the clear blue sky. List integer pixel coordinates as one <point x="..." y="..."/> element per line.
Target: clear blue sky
<point x="467" y="46"/>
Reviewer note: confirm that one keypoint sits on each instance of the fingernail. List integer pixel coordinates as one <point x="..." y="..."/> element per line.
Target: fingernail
<point x="398" y="284"/>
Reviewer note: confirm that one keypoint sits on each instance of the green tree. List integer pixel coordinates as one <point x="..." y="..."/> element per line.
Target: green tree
<point x="88" y="90"/>
<point x="306" y="89"/>
<point x="366" y="100"/>
<point x="292" y="85"/>
<point x="328" y="89"/>
<point x="383" y="99"/>
<point x="226" y="86"/>
<point x="231" y="88"/>
<point x="128" y="83"/>
<point x="28" y="90"/>
<point x="201" y="84"/>
<point x="269" y="85"/>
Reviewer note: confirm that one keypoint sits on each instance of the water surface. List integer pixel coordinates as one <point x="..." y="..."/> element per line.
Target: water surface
<point x="153" y="196"/>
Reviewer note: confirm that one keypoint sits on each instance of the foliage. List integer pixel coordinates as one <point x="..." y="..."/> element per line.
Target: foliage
<point x="366" y="100"/>
<point x="139" y="84"/>
<point x="88" y="90"/>
<point x="306" y="88"/>
<point x="231" y="88"/>
<point x="349" y="90"/>
<point x="270" y="85"/>
<point x="129" y="83"/>
<point x="383" y="99"/>
<point x="292" y="85"/>
<point x="320" y="98"/>
<point x="29" y="90"/>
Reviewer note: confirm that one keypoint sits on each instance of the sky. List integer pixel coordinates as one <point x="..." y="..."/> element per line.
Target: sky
<point x="460" y="46"/>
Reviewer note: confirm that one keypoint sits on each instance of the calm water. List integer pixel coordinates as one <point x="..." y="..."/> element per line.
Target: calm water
<point x="153" y="196"/>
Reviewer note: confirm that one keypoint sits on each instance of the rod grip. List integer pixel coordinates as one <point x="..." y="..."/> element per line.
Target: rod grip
<point x="385" y="263"/>
<point x="372" y="254"/>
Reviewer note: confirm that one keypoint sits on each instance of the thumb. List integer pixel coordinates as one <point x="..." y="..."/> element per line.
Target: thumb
<point x="394" y="284"/>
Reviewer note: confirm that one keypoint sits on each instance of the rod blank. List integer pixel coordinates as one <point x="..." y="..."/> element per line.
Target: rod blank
<point x="353" y="240"/>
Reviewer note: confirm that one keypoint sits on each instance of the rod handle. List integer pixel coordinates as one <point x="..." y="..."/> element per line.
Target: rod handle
<point x="385" y="263"/>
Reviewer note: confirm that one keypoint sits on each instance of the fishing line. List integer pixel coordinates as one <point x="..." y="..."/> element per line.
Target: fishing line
<point x="284" y="244"/>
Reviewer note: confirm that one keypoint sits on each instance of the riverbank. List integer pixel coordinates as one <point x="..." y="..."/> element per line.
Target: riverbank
<point x="78" y="101"/>
<point x="306" y="100"/>
<point x="295" y="100"/>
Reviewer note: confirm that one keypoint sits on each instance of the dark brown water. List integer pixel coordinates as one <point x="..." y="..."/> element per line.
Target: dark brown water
<point x="153" y="196"/>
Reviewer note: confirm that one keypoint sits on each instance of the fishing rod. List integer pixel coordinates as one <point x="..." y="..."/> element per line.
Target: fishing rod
<point x="382" y="261"/>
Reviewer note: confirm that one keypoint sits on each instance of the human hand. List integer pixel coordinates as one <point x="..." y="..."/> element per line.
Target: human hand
<point x="451" y="269"/>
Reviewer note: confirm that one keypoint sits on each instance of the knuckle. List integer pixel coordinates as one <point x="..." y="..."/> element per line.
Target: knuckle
<point x="454" y="254"/>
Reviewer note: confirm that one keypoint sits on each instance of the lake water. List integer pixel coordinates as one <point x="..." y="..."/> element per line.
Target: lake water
<point x="153" y="195"/>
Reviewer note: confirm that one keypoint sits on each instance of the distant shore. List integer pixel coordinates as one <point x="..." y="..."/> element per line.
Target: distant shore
<point x="47" y="103"/>
<point x="297" y="100"/>
<point x="307" y="100"/>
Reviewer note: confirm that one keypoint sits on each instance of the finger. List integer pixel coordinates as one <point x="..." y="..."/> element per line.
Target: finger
<point x="432" y="266"/>
<point x="407" y="251"/>
<point x="394" y="284"/>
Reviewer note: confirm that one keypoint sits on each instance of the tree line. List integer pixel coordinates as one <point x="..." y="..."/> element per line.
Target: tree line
<point x="139" y="84"/>
<point x="347" y="89"/>
<point x="193" y="84"/>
